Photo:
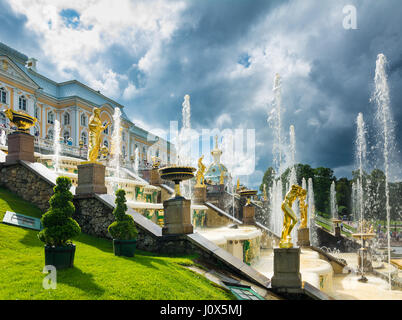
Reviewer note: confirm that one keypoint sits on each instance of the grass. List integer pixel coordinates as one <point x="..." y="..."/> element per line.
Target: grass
<point x="97" y="273"/>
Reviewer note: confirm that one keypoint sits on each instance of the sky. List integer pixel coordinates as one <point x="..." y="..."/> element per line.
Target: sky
<point x="147" y="55"/>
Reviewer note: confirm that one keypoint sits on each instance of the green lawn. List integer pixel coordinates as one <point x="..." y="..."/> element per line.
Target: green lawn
<point x="97" y="273"/>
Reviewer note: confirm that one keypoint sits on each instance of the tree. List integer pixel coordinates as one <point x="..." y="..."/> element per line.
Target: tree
<point x="59" y="226"/>
<point x="343" y="195"/>
<point x="124" y="227"/>
<point x="323" y="178"/>
<point x="268" y="179"/>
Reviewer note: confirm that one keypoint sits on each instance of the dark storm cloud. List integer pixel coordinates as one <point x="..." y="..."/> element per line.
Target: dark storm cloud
<point x="225" y="54"/>
<point x="338" y="86"/>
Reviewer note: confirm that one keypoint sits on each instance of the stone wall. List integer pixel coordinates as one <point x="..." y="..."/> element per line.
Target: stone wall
<point x="28" y="185"/>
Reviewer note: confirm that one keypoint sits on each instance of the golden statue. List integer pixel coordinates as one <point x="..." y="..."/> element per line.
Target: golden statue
<point x="238" y="185"/>
<point x="289" y="218"/>
<point x="222" y="177"/>
<point x="155" y="162"/>
<point x="200" y="173"/>
<point x="95" y="130"/>
<point x="303" y="208"/>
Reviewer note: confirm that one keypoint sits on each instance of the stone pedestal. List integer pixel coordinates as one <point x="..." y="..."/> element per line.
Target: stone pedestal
<point x="303" y="237"/>
<point x="199" y="195"/>
<point x="363" y="258"/>
<point x="155" y="178"/>
<point x="20" y="147"/>
<point x="337" y="231"/>
<point x="249" y="215"/>
<point x="177" y="216"/>
<point x="91" y="179"/>
<point x="286" y="269"/>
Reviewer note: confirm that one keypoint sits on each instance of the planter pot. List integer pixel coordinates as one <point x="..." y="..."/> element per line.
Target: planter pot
<point x="124" y="248"/>
<point x="60" y="257"/>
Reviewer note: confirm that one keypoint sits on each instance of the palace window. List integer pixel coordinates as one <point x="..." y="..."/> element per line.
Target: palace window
<point x="50" y="117"/>
<point x="50" y="134"/>
<point x="3" y="95"/>
<point x="83" y="120"/>
<point x="124" y="151"/>
<point x="106" y="131"/>
<point x="84" y="137"/>
<point x="36" y="112"/>
<point x="157" y="152"/>
<point x="123" y="135"/>
<point x="66" y="118"/>
<point x="66" y="135"/>
<point x="106" y="144"/>
<point x="22" y="104"/>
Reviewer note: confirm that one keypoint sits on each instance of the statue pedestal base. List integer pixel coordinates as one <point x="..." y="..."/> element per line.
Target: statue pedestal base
<point x="363" y="258"/>
<point x="155" y="178"/>
<point x="286" y="269"/>
<point x="303" y="237"/>
<point x="177" y="216"/>
<point x="20" y="147"/>
<point x="200" y="195"/>
<point x="248" y="215"/>
<point x="91" y="179"/>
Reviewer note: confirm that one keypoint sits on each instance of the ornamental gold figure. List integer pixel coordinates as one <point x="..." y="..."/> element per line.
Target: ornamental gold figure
<point x="200" y="173"/>
<point x="289" y="218"/>
<point x="95" y="130"/>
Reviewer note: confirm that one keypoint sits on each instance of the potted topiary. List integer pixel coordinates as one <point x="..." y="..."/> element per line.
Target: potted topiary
<point x="60" y="227"/>
<point x="123" y="230"/>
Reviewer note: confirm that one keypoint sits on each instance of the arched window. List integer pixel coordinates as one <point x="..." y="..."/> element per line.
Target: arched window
<point x="36" y="111"/>
<point x="50" y="117"/>
<point x="84" y="137"/>
<point x="66" y="135"/>
<point x="22" y="104"/>
<point x="123" y="136"/>
<point x="124" y="151"/>
<point x="3" y="95"/>
<point x="66" y="118"/>
<point x="106" y="131"/>
<point x="36" y="131"/>
<point x="83" y="120"/>
<point x="3" y="119"/>
<point x="106" y="144"/>
<point x="50" y="134"/>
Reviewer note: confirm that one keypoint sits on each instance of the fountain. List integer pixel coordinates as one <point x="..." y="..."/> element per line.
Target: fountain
<point x="386" y="134"/>
<point x="3" y="138"/>
<point x="116" y="147"/>
<point x="56" y="146"/>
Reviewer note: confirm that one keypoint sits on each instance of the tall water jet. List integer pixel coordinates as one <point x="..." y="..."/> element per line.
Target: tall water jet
<point x="386" y="133"/>
<point x="275" y="121"/>
<point x="334" y="211"/>
<point x="311" y="212"/>
<point x="184" y="143"/>
<point x="3" y="138"/>
<point x="136" y="160"/>
<point x="56" y="145"/>
<point x="116" y="146"/>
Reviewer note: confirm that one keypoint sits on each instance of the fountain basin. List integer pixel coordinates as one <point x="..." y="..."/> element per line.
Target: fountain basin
<point x="243" y="242"/>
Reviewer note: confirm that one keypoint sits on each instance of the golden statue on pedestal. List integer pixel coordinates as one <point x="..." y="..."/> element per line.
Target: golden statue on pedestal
<point x="200" y="173"/>
<point x="289" y="219"/>
<point x="95" y="130"/>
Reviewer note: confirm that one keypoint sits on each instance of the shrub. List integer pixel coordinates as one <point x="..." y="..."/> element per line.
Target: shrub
<point x="124" y="227"/>
<point x="59" y="226"/>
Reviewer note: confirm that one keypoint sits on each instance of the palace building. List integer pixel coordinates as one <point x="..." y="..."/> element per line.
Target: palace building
<point x="22" y="88"/>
